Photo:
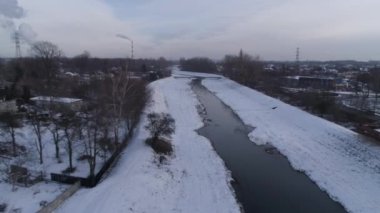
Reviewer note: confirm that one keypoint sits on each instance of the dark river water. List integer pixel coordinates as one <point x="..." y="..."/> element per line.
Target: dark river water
<point x="264" y="179"/>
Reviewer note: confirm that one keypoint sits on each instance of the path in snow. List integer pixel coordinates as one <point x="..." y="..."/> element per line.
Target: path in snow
<point x="193" y="180"/>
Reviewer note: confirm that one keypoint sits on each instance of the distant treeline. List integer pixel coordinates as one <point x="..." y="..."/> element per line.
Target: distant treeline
<point x="198" y="64"/>
<point x="242" y="68"/>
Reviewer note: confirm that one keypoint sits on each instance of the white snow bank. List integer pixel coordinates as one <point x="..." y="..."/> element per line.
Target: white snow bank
<point x="185" y="74"/>
<point x="55" y="99"/>
<point x="27" y="199"/>
<point x="193" y="180"/>
<point x="341" y="162"/>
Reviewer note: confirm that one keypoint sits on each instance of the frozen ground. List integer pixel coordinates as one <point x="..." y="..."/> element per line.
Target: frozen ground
<point x="193" y="180"/>
<point x="341" y="162"/>
<point x="28" y="199"/>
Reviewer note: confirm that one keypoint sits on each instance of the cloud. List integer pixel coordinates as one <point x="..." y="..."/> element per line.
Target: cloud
<point x="78" y="25"/>
<point x="331" y="29"/>
<point x="10" y="9"/>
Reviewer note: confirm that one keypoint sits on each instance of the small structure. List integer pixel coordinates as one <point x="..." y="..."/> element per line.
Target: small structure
<point x="58" y="102"/>
<point x="70" y="75"/>
<point x="21" y="176"/>
<point x="8" y="106"/>
<point x="310" y="82"/>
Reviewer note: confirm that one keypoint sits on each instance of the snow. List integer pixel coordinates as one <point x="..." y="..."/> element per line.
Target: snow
<point x="343" y="163"/>
<point x="193" y="74"/>
<point x="185" y="74"/>
<point x="28" y="199"/>
<point x="26" y="137"/>
<point x="194" y="179"/>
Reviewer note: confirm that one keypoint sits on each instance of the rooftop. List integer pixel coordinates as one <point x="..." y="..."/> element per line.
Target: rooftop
<point x="55" y="99"/>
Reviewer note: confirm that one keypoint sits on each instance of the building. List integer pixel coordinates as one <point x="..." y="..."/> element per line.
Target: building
<point x="313" y="82"/>
<point x="58" y="102"/>
<point x="8" y="106"/>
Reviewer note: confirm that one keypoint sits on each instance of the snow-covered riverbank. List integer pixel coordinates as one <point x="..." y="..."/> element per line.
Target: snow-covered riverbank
<point x="193" y="180"/>
<point x="341" y="162"/>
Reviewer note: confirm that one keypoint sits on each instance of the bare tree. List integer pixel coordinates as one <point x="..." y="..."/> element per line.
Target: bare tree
<point x="55" y="129"/>
<point x="121" y="86"/>
<point x="9" y="123"/>
<point x="94" y="122"/>
<point x="81" y="61"/>
<point x="198" y="64"/>
<point x="47" y="55"/>
<point x="243" y="68"/>
<point x="38" y="123"/>
<point x="69" y="123"/>
<point x="136" y="100"/>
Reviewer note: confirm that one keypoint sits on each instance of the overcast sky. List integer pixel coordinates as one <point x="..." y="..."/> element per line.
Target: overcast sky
<point x="273" y="29"/>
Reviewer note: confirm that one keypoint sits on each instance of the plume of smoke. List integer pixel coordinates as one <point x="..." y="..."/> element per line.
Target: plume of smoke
<point x="10" y="9"/>
<point x="123" y="37"/>
<point x="7" y="24"/>
<point x="26" y="33"/>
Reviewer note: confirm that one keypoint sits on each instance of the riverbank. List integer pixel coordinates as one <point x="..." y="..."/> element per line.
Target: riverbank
<point x="341" y="162"/>
<point x="194" y="179"/>
<point x="264" y="181"/>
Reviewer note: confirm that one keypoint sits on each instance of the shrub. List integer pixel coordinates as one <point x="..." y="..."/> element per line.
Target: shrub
<point x="160" y="146"/>
<point x="160" y="125"/>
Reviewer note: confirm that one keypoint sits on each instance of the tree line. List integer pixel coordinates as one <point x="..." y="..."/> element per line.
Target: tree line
<point x="243" y="68"/>
<point x="111" y="105"/>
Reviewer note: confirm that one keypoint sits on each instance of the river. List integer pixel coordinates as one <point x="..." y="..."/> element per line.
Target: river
<point x="264" y="181"/>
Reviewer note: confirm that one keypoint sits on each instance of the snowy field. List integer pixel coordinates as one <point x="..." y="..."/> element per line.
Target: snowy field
<point x="194" y="179"/>
<point x="341" y="162"/>
<point x="28" y="199"/>
<point x="184" y="74"/>
<point x="26" y="137"/>
<point x="25" y="200"/>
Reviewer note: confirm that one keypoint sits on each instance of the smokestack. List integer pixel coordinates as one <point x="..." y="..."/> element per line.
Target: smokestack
<point x="17" y="43"/>
<point x="9" y="11"/>
<point x="126" y="38"/>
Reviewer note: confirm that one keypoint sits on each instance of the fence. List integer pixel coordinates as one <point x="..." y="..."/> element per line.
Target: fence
<point x="92" y="181"/>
